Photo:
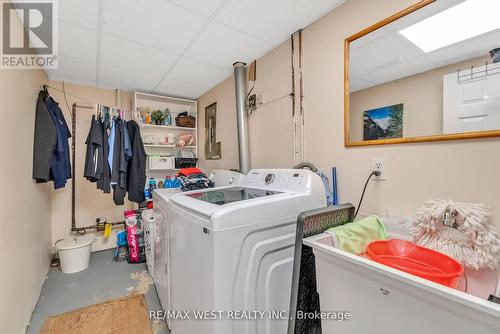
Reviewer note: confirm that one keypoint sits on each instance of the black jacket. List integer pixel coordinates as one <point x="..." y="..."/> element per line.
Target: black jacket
<point x="104" y="181"/>
<point x="93" y="157"/>
<point x="45" y="141"/>
<point x="136" y="169"/>
<point x="119" y="169"/>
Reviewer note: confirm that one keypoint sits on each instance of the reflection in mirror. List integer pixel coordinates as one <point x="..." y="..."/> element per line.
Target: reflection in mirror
<point x="434" y="71"/>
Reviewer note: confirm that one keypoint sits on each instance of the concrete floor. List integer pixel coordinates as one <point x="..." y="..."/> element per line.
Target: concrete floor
<point x="103" y="279"/>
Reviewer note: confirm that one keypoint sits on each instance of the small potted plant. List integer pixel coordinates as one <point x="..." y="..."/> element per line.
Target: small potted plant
<point x="158" y="116"/>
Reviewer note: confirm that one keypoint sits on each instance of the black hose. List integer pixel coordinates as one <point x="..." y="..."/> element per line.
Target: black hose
<point x="363" y="193"/>
<point x="306" y="165"/>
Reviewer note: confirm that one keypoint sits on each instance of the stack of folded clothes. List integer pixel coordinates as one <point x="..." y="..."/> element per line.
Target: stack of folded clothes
<point x="193" y="179"/>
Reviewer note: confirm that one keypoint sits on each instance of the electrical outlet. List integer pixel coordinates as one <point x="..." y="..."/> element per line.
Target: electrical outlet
<point x="378" y="166"/>
<point x="260" y="99"/>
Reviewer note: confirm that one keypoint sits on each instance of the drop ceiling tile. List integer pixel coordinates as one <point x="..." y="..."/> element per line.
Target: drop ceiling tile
<point x="132" y="56"/>
<point x="274" y="20"/>
<point x="83" y="13"/>
<point x="203" y="7"/>
<point x="119" y="17"/>
<point x="54" y="77"/>
<point x="77" y="41"/>
<point x="174" y="26"/>
<point x="386" y="51"/>
<point x="178" y="88"/>
<point x="155" y="23"/>
<point x="359" y="84"/>
<point x="472" y="48"/>
<point x="399" y="70"/>
<point x="196" y="72"/>
<point x="404" y="22"/>
<point x="113" y="77"/>
<point x="78" y="12"/>
<point x="222" y="46"/>
<point x="75" y="69"/>
<point x="368" y="63"/>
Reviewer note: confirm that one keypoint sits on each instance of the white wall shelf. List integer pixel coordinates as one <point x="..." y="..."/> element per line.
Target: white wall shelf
<point x="162" y="170"/>
<point x="167" y="127"/>
<point x="169" y="146"/>
<point x="160" y="132"/>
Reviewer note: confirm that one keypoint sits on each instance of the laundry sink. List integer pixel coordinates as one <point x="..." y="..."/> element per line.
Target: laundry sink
<point x="417" y="260"/>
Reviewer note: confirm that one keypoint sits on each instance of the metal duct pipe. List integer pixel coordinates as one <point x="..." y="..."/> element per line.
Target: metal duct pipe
<point x="240" y="78"/>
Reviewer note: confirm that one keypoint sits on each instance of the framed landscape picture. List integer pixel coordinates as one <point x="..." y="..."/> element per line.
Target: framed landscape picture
<point x="383" y="123"/>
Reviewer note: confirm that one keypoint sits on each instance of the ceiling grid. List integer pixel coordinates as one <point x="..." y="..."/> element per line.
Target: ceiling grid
<point x="174" y="47"/>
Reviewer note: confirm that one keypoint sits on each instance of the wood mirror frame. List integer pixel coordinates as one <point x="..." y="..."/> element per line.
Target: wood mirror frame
<point x="347" y="116"/>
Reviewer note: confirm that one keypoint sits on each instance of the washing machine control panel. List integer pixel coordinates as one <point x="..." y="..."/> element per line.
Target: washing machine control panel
<point x="269" y="178"/>
<point x="278" y="179"/>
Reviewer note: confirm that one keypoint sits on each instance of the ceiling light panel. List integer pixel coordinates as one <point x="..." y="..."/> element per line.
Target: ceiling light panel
<point x="466" y="20"/>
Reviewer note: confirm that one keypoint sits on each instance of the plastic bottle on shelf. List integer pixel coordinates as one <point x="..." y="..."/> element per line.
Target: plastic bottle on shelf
<point x="168" y="182"/>
<point x="152" y="186"/>
<point x="176" y="183"/>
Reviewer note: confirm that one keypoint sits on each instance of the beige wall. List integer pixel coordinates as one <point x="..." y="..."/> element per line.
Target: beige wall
<point x="270" y="126"/>
<point x="421" y="94"/>
<point x="224" y="95"/>
<point x="460" y="170"/>
<point x="25" y="241"/>
<point x="90" y="202"/>
<point x="463" y="170"/>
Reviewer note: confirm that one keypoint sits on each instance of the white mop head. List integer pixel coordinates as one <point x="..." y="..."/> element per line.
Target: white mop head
<point x="476" y="241"/>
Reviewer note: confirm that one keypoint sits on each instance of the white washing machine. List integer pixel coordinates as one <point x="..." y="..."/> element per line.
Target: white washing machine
<point x="231" y="249"/>
<point x="159" y="232"/>
<point x="225" y="177"/>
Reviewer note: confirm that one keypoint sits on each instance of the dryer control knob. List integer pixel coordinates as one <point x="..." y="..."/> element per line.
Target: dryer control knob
<point x="269" y="178"/>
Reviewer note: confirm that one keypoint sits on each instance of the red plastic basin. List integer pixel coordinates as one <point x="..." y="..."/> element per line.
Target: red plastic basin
<point x="417" y="260"/>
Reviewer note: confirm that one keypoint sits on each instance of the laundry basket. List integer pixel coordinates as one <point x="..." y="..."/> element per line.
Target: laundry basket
<point x="74" y="253"/>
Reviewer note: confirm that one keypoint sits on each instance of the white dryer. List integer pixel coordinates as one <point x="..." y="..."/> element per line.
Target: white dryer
<point x="161" y="271"/>
<point x="231" y="249"/>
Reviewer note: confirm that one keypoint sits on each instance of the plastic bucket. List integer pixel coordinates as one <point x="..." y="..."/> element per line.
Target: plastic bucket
<point x="417" y="260"/>
<point x="74" y="253"/>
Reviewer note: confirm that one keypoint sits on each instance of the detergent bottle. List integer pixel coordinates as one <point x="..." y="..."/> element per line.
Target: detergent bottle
<point x="152" y="186"/>
<point x="176" y="183"/>
<point x="168" y="182"/>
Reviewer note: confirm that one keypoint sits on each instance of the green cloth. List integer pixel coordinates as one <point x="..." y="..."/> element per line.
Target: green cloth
<point x="353" y="237"/>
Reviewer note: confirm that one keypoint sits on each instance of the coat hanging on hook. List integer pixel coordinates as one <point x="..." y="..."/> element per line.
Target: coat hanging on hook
<point x="51" y="161"/>
<point x="115" y="158"/>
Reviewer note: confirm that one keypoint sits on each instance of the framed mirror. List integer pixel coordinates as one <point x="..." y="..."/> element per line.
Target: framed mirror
<point x="428" y="73"/>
